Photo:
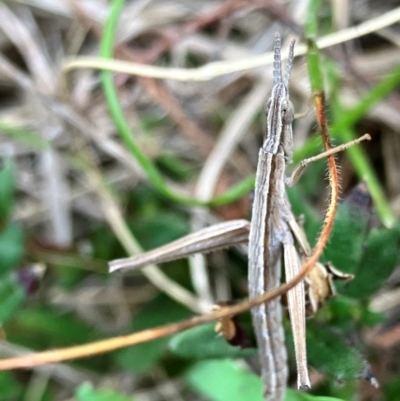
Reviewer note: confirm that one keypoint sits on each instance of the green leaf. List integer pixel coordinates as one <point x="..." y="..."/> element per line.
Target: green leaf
<point x="104" y="243"/>
<point x="86" y="392"/>
<point x="369" y="318"/>
<point x="330" y="353"/>
<point x="380" y="257"/>
<point x="345" y="245"/>
<point x="10" y="388"/>
<point x="203" y="342"/>
<point x="11" y="296"/>
<point x="44" y="327"/>
<point x="161" y="310"/>
<point x="391" y="389"/>
<point x="226" y="380"/>
<point x="344" y="313"/>
<point x="159" y="229"/>
<point x="6" y="191"/>
<point x="11" y="247"/>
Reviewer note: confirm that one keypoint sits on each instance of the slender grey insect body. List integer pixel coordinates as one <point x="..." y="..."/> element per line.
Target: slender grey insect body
<point x="270" y="234"/>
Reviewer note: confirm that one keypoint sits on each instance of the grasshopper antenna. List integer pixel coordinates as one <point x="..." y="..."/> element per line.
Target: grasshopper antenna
<point x="277" y="60"/>
<point x="289" y="64"/>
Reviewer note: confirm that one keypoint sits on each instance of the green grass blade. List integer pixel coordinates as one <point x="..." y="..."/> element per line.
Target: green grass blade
<point x="313" y="60"/>
<point x="375" y="95"/>
<point x="342" y="127"/>
<point x="124" y="130"/>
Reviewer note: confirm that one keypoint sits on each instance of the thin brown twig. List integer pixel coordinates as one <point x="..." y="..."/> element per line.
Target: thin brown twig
<point x="115" y="343"/>
<point x="166" y="330"/>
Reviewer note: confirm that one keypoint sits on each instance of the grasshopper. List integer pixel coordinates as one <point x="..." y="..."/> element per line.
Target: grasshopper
<point x="271" y="237"/>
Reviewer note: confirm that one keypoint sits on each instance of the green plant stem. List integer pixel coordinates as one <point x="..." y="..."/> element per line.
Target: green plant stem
<point x="343" y="126"/>
<point x="116" y="111"/>
<point x="343" y="129"/>
<point x="313" y="59"/>
<point x="375" y="94"/>
<point x="365" y="171"/>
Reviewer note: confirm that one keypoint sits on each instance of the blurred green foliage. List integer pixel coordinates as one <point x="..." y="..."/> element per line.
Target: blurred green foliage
<point x="224" y="380"/>
<point x="155" y="216"/>
<point x="86" y="392"/>
<point x="12" y="293"/>
<point x="140" y="358"/>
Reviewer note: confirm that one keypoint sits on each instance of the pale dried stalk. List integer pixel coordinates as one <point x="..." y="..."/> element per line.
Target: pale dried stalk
<point x="212" y="70"/>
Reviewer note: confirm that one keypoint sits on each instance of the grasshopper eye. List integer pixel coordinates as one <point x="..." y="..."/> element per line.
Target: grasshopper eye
<point x="287" y="113"/>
